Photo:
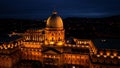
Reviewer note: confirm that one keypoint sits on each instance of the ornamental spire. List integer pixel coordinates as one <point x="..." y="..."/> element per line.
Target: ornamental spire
<point x="54" y="11"/>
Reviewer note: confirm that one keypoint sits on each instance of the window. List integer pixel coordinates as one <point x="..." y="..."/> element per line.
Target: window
<point x="52" y="39"/>
<point x="59" y="39"/>
<point x="59" y="33"/>
<point x="52" y="34"/>
<point x="73" y="66"/>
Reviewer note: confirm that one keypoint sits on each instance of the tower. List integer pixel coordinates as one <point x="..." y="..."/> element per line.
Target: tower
<point x="54" y="31"/>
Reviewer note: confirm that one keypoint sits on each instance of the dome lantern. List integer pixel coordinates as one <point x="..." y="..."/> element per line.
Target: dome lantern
<point x="54" y="12"/>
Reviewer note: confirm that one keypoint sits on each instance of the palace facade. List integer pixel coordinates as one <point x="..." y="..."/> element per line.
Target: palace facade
<point x="50" y="47"/>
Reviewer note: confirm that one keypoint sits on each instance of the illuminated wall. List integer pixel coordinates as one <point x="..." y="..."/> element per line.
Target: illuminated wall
<point x="34" y="35"/>
<point x="76" y="59"/>
<point x="10" y="53"/>
<point x="54" y="36"/>
<point x="31" y="54"/>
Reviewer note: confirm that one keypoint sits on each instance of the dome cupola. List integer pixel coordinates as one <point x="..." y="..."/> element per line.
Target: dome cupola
<point x="54" y="21"/>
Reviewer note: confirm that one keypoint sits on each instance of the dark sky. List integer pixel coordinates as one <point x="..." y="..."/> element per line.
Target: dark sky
<point x="32" y="9"/>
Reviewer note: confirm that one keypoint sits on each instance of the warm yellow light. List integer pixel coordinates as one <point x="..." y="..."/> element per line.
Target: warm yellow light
<point x="80" y="42"/>
<point x="65" y="44"/>
<point x="67" y="41"/>
<point x="74" y="45"/>
<point x="83" y="46"/>
<point x="108" y="53"/>
<point x="87" y="46"/>
<point x="118" y="57"/>
<point x="73" y="66"/>
<point x="98" y="55"/>
<point x="115" y="54"/>
<point x="85" y="42"/>
<point x="45" y="56"/>
<point x="101" y="52"/>
<point x="82" y="57"/>
<point x="5" y="47"/>
<point x="53" y="56"/>
<point x="78" y="46"/>
<point x="8" y="46"/>
<point x="51" y="42"/>
<point x="112" y="56"/>
<point x="1" y="47"/>
<point x="60" y="43"/>
<point x="105" y="56"/>
<point x="46" y="43"/>
<point x="49" y="56"/>
<point x="15" y="45"/>
<point x="69" y="45"/>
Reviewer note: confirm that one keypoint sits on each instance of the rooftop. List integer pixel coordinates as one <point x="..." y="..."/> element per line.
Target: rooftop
<point x="7" y="38"/>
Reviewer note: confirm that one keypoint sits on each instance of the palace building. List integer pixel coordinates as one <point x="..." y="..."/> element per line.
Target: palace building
<point x="50" y="48"/>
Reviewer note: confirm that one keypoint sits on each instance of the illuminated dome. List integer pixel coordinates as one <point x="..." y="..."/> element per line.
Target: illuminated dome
<point x="54" y="21"/>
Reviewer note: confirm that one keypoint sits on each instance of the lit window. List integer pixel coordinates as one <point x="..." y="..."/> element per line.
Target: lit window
<point x="73" y="66"/>
<point x="86" y="46"/>
<point x="101" y="52"/>
<point x="59" y="39"/>
<point x="80" y="42"/>
<point x="51" y="42"/>
<point x="112" y="56"/>
<point x="82" y="45"/>
<point x="105" y="56"/>
<point x="118" y="57"/>
<point x="60" y="43"/>
<point x="52" y="34"/>
<point x="108" y="53"/>
<point x="1" y="47"/>
<point x="85" y="42"/>
<point x="52" y="39"/>
<point x="67" y="41"/>
<point x="98" y="55"/>
<point x="59" y="33"/>
<point x="115" y="54"/>
<point x="53" y="56"/>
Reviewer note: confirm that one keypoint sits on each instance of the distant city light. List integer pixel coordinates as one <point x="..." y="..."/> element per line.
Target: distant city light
<point x="103" y="40"/>
<point x="73" y="67"/>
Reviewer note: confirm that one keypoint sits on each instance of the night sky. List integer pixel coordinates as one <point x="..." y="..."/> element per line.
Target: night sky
<point x="35" y="9"/>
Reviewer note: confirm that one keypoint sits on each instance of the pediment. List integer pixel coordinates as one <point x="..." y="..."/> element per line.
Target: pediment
<point x="51" y="51"/>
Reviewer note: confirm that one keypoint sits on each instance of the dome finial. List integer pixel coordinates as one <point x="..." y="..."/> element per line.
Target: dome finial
<point x="54" y="11"/>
